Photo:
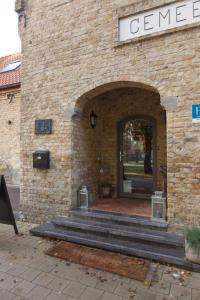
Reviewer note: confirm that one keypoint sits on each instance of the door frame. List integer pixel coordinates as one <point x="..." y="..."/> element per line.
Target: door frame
<point x="120" y="127"/>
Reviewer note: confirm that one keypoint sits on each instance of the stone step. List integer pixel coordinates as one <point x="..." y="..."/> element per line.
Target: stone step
<point x="106" y="224"/>
<point x="120" y="219"/>
<point x="101" y="229"/>
<point x="168" y="255"/>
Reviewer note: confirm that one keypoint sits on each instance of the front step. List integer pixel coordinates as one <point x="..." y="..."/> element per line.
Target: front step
<point x="168" y="256"/>
<point x="123" y="233"/>
<point x="99" y="242"/>
<point x="119" y="233"/>
<point x="119" y="219"/>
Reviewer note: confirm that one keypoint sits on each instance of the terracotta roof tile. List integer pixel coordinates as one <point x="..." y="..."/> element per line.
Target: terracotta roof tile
<point x="10" y="77"/>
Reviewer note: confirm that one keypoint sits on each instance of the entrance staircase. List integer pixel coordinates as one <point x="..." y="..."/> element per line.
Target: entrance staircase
<point x="134" y="236"/>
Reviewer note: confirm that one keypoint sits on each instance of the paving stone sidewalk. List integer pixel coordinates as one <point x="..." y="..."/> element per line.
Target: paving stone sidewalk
<point x="27" y="273"/>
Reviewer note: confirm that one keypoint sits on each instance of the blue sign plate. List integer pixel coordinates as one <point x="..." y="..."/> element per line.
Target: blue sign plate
<point x="196" y="113"/>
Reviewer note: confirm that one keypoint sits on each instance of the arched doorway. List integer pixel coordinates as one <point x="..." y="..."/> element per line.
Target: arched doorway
<point x="96" y="151"/>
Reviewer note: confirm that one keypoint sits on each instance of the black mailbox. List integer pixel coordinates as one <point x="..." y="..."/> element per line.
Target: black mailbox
<point x="41" y="159"/>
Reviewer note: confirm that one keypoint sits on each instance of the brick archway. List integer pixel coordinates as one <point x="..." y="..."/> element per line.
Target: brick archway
<point x="94" y="89"/>
<point x="86" y="143"/>
<point x="97" y="89"/>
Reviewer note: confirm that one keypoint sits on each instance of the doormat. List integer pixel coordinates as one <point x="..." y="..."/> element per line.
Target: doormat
<point x="131" y="267"/>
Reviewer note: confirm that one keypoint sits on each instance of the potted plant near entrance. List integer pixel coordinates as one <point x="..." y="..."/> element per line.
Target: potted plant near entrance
<point x="192" y="244"/>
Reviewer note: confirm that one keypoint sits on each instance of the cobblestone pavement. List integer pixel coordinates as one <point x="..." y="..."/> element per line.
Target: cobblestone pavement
<point x="27" y="273"/>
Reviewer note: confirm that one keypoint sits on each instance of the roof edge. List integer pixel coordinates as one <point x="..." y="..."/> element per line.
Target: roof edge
<point x="7" y="86"/>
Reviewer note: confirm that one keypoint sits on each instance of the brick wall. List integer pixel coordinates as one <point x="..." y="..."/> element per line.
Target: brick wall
<point x="70" y="51"/>
<point x="10" y="134"/>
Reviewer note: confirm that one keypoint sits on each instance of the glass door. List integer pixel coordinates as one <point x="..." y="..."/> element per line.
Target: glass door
<point x="136" y="157"/>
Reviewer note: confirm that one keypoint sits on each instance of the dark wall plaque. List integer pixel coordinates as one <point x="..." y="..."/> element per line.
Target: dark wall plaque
<point x="43" y="126"/>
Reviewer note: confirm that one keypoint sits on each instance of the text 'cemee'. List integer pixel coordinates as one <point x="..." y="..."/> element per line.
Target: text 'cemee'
<point x="159" y="19"/>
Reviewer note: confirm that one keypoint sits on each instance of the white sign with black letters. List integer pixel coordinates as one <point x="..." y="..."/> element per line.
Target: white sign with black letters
<point x="159" y="19"/>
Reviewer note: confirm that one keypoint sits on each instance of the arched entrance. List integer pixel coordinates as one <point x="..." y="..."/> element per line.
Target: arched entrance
<point x="127" y="113"/>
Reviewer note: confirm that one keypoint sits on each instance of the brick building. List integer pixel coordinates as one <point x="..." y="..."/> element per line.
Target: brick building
<point x="10" y="118"/>
<point x="135" y="66"/>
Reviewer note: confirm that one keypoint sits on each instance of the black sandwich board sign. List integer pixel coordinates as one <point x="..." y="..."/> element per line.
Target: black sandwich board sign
<point x="6" y="212"/>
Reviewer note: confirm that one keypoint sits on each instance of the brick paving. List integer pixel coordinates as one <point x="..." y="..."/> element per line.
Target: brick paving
<point x="27" y="273"/>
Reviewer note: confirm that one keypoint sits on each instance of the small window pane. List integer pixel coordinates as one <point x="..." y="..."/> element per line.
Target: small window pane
<point x="11" y="67"/>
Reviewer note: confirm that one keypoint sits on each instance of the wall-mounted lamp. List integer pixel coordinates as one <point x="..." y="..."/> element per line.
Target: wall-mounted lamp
<point x="93" y="120"/>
